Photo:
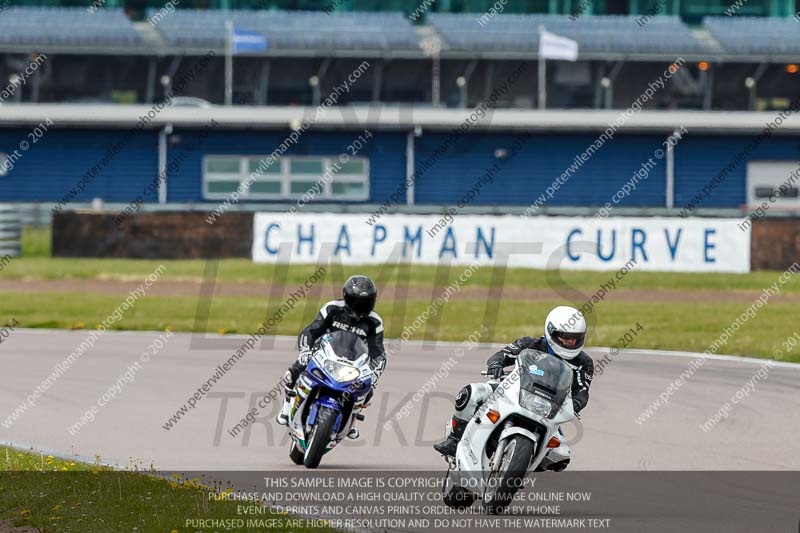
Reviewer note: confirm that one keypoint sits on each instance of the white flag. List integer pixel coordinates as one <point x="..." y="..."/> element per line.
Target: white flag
<point x="552" y="46"/>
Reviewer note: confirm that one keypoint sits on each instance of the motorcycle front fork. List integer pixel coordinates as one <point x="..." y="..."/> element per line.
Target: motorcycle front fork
<point x="501" y="447"/>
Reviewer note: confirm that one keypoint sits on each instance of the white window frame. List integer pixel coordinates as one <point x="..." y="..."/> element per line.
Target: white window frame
<point x="349" y="178"/>
<point x="769" y="173"/>
<point x="285" y="177"/>
<point x="218" y="176"/>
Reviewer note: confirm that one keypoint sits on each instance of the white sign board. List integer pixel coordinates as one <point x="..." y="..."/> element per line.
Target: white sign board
<point x="579" y="243"/>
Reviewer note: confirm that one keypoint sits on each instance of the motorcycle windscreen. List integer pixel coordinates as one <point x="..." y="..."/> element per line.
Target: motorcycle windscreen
<point x="544" y="374"/>
<point x="345" y="344"/>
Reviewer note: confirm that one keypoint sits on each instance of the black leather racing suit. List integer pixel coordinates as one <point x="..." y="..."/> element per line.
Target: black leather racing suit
<point x="335" y="316"/>
<point x="583" y="373"/>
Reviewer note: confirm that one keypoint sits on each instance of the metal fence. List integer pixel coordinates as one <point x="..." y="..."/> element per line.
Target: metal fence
<point x="10" y="231"/>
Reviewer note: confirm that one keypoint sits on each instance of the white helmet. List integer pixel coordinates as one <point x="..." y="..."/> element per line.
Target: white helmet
<point x="565" y="329"/>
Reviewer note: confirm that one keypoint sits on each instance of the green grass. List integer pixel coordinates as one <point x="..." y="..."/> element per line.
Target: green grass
<point x="36" y="242"/>
<point x="36" y="264"/>
<point x="12" y="460"/>
<point x="674" y="326"/>
<point x="55" y="495"/>
<point x="668" y="325"/>
<point x="244" y="270"/>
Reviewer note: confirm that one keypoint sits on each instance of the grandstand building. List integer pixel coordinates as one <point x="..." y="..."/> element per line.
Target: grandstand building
<point x="451" y="55"/>
<point x="205" y="155"/>
<point x="409" y="79"/>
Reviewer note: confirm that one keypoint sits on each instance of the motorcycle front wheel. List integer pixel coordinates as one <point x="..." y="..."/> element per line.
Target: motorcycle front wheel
<point x="320" y="436"/>
<point x="296" y="454"/>
<point x="507" y="479"/>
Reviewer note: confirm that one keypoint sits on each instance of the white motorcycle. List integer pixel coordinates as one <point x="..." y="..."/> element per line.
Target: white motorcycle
<point x="511" y="433"/>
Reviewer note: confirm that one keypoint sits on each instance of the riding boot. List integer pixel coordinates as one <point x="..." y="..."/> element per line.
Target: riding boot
<point x="286" y="408"/>
<point x="449" y="446"/>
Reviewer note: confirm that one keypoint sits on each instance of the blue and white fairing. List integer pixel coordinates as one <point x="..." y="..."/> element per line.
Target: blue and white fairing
<point x="339" y="377"/>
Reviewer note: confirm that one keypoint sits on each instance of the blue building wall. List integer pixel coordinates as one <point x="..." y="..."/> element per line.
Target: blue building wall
<point x="541" y="159"/>
<point x="51" y="167"/>
<point x="699" y="159"/>
<point x="48" y="169"/>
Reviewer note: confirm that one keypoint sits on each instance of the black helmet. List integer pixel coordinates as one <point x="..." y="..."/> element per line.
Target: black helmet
<point x="359" y="295"/>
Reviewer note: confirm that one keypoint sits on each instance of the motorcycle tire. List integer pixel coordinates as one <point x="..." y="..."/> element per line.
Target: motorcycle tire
<point x="509" y="478"/>
<point x="296" y="454"/>
<point x="320" y="436"/>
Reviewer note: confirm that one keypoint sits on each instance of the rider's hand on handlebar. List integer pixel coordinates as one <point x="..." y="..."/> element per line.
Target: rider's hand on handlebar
<point x="496" y="372"/>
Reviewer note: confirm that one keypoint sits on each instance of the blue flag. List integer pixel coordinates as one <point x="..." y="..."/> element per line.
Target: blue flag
<point x="248" y="41"/>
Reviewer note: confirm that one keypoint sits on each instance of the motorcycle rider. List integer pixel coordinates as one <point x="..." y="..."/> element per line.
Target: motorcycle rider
<point x="565" y="333"/>
<point x="353" y="313"/>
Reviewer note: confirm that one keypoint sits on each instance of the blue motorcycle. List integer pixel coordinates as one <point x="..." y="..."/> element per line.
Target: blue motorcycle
<point x="328" y="396"/>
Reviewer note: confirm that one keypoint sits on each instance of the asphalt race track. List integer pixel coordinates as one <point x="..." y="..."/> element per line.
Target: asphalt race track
<point x="759" y="434"/>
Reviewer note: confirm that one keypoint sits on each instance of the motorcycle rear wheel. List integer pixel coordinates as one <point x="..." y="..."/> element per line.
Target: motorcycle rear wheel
<point x="320" y="437"/>
<point x="507" y="480"/>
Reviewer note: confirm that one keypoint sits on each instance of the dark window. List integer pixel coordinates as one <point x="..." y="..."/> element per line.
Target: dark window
<point x="764" y="192"/>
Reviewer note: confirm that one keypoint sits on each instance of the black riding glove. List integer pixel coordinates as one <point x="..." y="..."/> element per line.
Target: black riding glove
<point x="496" y="372"/>
<point x="578" y="405"/>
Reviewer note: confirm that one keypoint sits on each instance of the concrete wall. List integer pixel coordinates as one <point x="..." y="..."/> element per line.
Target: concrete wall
<point x="775" y="243"/>
<point x="152" y="235"/>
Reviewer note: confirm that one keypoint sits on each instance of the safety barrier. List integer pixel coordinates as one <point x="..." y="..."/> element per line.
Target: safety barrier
<point x="10" y="231"/>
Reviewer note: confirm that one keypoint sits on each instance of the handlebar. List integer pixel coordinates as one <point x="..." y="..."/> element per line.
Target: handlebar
<point x="505" y="372"/>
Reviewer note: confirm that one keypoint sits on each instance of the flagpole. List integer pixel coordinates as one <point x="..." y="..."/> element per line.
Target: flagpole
<point x="542" y="77"/>
<point x="228" y="62"/>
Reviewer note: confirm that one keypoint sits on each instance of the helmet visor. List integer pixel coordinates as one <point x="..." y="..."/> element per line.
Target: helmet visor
<point x="568" y="340"/>
<point x="361" y="305"/>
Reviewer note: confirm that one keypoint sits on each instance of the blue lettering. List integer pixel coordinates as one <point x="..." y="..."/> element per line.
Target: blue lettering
<point x="709" y="246"/>
<point x="271" y="251"/>
<point x="572" y="233"/>
<point x="376" y="239"/>
<point x="673" y="247"/>
<point x="303" y="238"/>
<point x="343" y="238"/>
<point x="610" y="256"/>
<point x="638" y="243"/>
<point x="408" y="239"/>
<point x="448" y="237"/>
<point x="487" y="246"/>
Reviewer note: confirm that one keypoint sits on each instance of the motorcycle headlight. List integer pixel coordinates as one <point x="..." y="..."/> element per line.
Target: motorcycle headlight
<point x="341" y="372"/>
<point x="538" y="405"/>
